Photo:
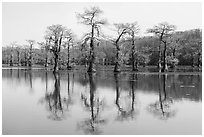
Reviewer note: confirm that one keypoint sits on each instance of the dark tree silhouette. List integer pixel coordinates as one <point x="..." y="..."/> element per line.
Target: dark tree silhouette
<point x="121" y="30"/>
<point x="130" y="113"/>
<point x="162" y="108"/>
<point x="133" y="29"/>
<point x="56" y="35"/>
<point x="94" y="105"/>
<point x="31" y="43"/>
<point x="90" y="18"/>
<point x="163" y="30"/>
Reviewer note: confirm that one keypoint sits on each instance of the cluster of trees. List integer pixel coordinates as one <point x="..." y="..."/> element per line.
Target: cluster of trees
<point x="165" y="48"/>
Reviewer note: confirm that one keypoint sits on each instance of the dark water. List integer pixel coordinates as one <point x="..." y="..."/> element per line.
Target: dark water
<point x="38" y="102"/>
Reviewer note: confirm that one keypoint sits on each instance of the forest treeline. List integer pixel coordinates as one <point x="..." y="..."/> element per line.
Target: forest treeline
<point x="165" y="47"/>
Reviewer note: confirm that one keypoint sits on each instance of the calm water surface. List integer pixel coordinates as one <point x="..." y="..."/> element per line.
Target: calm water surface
<point x="40" y="102"/>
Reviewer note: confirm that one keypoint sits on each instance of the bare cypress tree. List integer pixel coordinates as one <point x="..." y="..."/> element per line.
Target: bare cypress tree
<point x="90" y="18"/>
<point x="163" y="31"/>
<point x="12" y="47"/>
<point x="45" y="47"/>
<point x="69" y="39"/>
<point x="31" y="43"/>
<point x="56" y="34"/>
<point x="121" y="30"/>
<point x="133" y="29"/>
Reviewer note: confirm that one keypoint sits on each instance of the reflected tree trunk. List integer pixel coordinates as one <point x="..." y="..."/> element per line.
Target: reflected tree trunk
<point x="68" y="84"/>
<point x="54" y="100"/>
<point x="30" y="79"/>
<point x="93" y="105"/>
<point x="125" y="114"/>
<point x="117" y="90"/>
<point x="18" y="75"/>
<point x="160" y="94"/>
<point x="134" y="77"/>
<point x="92" y="91"/>
<point x="72" y="82"/>
<point x="162" y="107"/>
<point x="46" y="81"/>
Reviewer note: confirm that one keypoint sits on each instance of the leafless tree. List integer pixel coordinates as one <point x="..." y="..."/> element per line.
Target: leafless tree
<point x="121" y="30"/>
<point x="12" y="47"/>
<point x="69" y="40"/>
<point x="56" y="35"/>
<point x="133" y="29"/>
<point x="31" y="43"/>
<point x="163" y="30"/>
<point x="90" y="18"/>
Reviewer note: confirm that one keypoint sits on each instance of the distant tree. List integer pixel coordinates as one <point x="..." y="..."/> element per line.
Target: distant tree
<point x="133" y="29"/>
<point x="174" y="47"/>
<point x="45" y="46"/>
<point x="90" y="18"/>
<point x="163" y="30"/>
<point x="18" y="51"/>
<point x="31" y="43"/>
<point x="192" y="46"/>
<point x="11" y="52"/>
<point x="25" y="59"/>
<point x="69" y="39"/>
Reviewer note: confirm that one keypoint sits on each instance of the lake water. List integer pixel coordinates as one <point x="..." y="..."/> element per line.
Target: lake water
<point x="40" y="102"/>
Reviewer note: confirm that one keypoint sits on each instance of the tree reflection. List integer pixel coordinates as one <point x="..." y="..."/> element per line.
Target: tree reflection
<point x="30" y="78"/>
<point x="72" y="82"/>
<point x="162" y="108"/>
<point x="68" y="100"/>
<point x="54" y="100"/>
<point x="94" y="105"/>
<point x="128" y="111"/>
<point x="55" y="104"/>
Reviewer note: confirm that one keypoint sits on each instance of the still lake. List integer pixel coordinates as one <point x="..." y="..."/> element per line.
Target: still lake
<point x="75" y="102"/>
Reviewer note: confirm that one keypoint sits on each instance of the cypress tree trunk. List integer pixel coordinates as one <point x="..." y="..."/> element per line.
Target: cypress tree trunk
<point x="11" y="59"/>
<point x="46" y="61"/>
<point x="117" y="90"/>
<point x="19" y="62"/>
<point x="56" y="63"/>
<point x="116" y="69"/>
<point x="134" y="64"/>
<point x="160" y="56"/>
<point x="92" y="56"/>
<point x="199" y="62"/>
<point x="165" y="67"/>
<point x="30" y="57"/>
<point x="68" y="67"/>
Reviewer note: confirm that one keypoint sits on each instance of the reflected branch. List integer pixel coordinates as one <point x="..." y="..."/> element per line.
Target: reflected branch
<point x="124" y="114"/>
<point x="162" y="108"/>
<point x="94" y="106"/>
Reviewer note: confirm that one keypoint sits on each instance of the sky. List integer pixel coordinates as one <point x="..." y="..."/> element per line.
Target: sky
<point x="22" y="21"/>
